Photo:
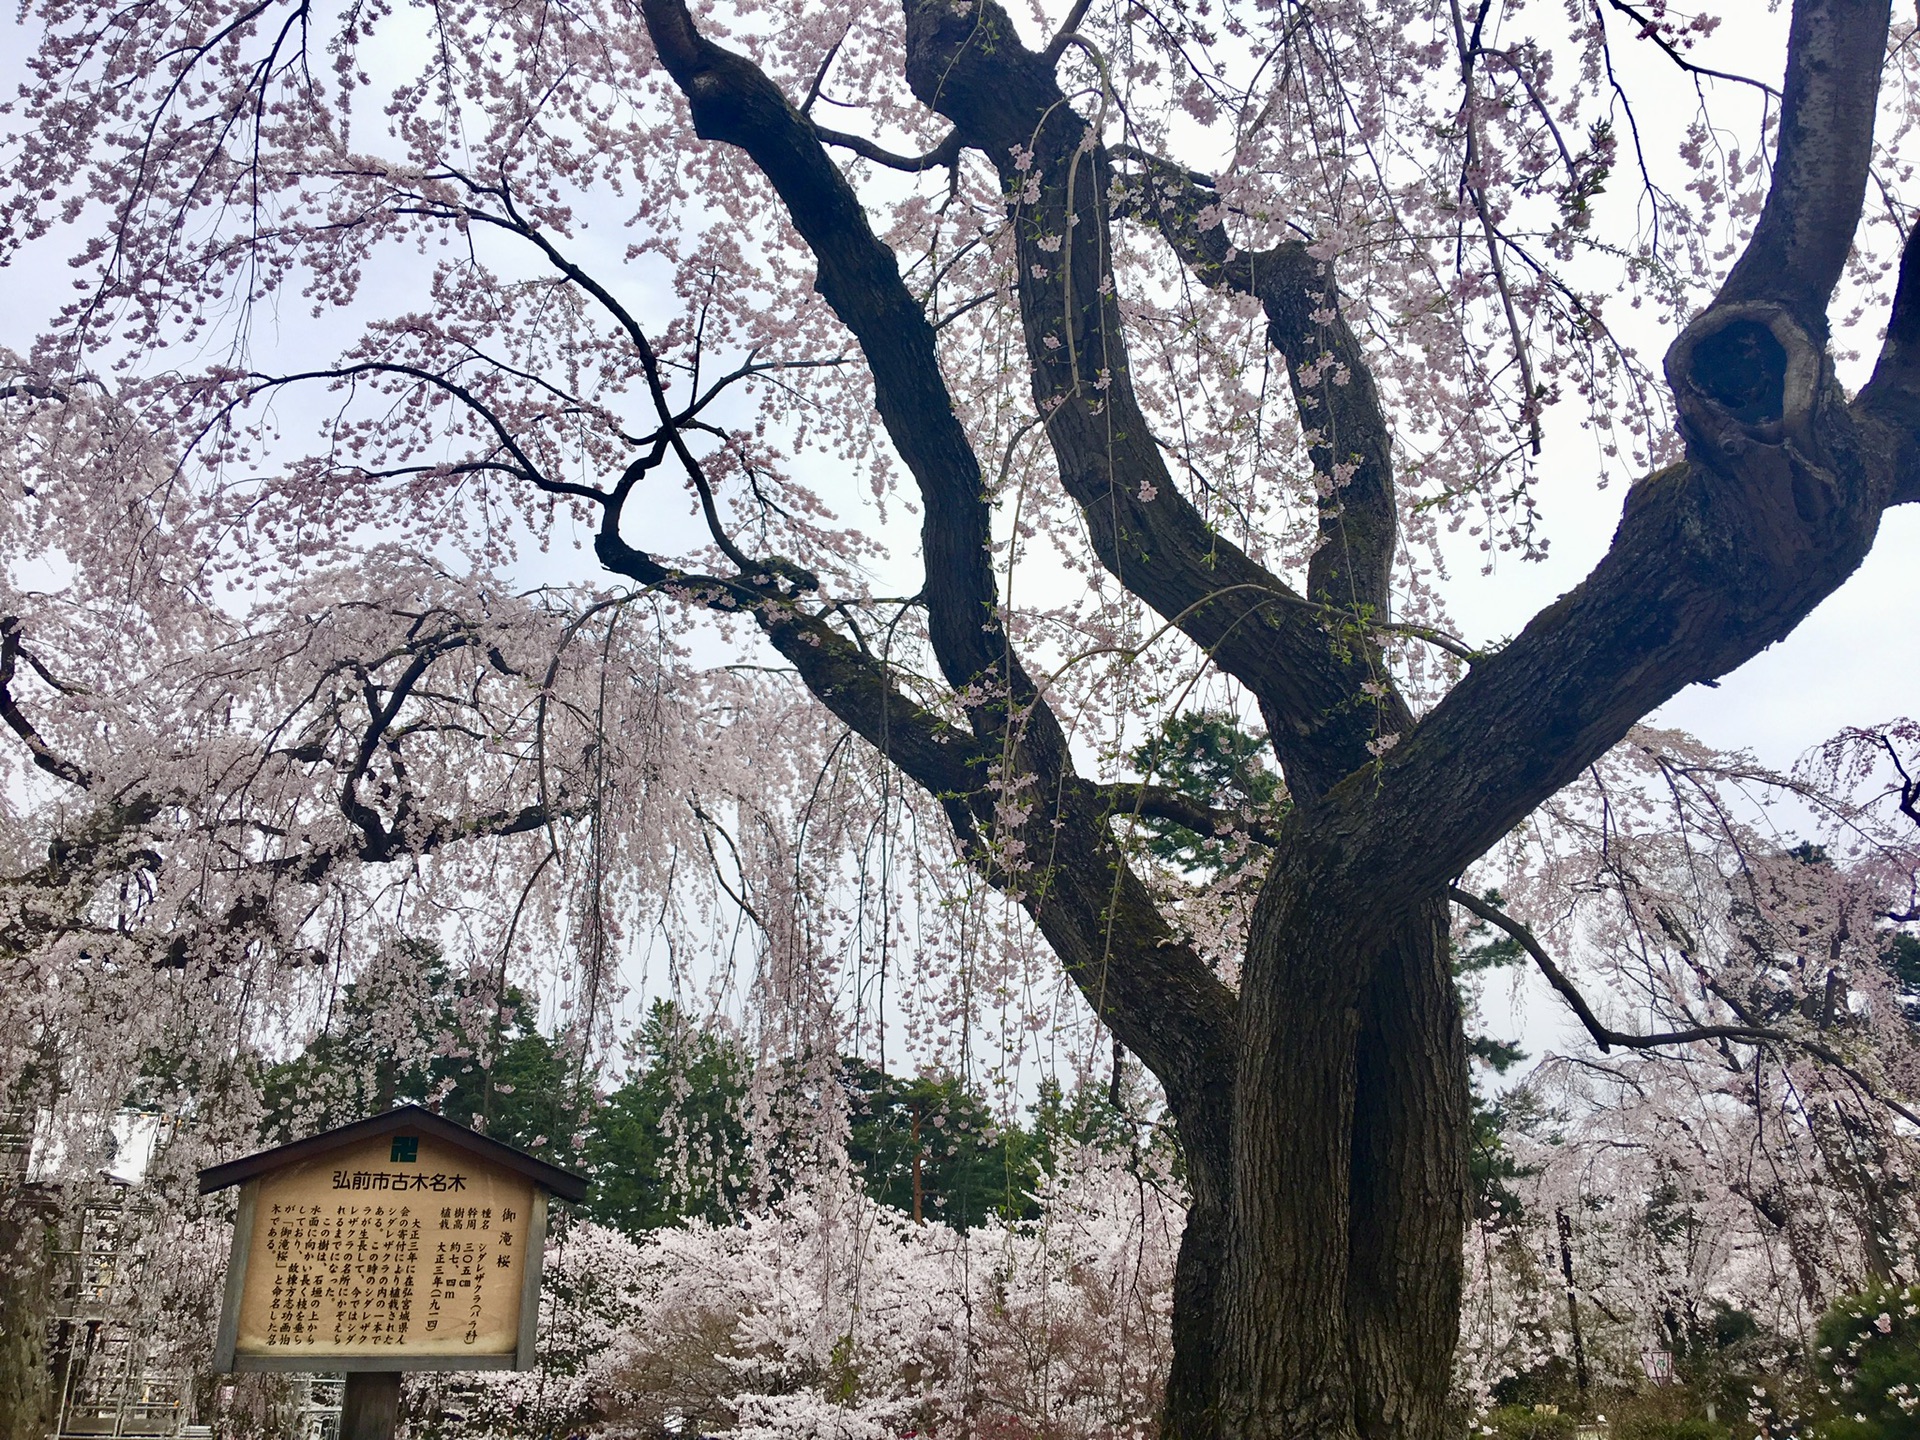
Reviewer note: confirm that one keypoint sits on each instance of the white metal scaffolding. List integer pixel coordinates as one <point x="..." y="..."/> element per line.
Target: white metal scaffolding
<point x="107" y="1385"/>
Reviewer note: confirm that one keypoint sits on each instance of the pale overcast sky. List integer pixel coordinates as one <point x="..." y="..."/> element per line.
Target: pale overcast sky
<point x="1853" y="661"/>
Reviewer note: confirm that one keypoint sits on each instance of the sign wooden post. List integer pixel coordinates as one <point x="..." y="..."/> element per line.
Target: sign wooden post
<point x="400" y="1242"/>
<point x="370" y="1405"/>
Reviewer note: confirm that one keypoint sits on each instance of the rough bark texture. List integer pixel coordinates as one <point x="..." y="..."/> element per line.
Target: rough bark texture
<point x="26" y="1282"/>
<point x="1409" y="1189"/>
<point x="1323" y="1108"/>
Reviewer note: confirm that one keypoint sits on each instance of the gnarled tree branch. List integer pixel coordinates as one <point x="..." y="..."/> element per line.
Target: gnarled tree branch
<point x="1606" y="1037"/>
<point x="969" y="65"/>
<point x="1776" y="504"/>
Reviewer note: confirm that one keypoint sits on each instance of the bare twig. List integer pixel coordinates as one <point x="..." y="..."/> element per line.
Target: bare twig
<point x="1650" y="30"/>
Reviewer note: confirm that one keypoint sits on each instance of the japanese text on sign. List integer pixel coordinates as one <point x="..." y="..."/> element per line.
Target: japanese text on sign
<point x="439" y="1182"/>
<point x="357" y="1255"/>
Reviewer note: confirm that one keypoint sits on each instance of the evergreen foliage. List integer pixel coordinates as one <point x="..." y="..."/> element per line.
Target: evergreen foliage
<point x="1867" y="1364"/>
<point x="422" y="1034"/>
<point x="1211" y="756"/>
<point x="671" y="1142"/>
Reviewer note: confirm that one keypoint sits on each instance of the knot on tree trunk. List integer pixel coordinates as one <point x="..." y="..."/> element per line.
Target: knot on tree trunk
<point x="1770" y="501"/>
<point x="1747" y="375"/>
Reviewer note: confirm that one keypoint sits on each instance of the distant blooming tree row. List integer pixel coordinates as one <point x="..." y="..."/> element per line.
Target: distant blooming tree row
<point x="828" y="1315"/>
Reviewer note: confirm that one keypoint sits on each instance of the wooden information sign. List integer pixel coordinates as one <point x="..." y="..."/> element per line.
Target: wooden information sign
<point x="400" y="1242"/>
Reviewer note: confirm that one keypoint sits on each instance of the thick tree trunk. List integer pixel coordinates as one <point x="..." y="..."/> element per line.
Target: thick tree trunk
<point x="1409" y="1195"/>
<point x="1188" y="1413"/>
<point x="26" y="1399"/>
<point x="1338" y="1309"/>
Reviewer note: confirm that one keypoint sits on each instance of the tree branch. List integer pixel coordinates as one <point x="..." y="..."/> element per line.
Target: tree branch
<point x="523" y="465"/>
<point x="1889" y="404"/>
<point x="1606" y="1037"/>
<point x="1069" y="28"/>
<point x="1060" y="862"/>
<point x="732" y="101"/>
<point x="947" y="152"/>
<point x="1138" y="975"/>
<point x="1714" y="559"/>
<point x="1333" y="387"/>
<point x="1650" y="30"/>
<point x="1835" y="52"/>
<point x="1163" y="802"/>
<point x="44" y="755"/>
<point x="969" y="65"/>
